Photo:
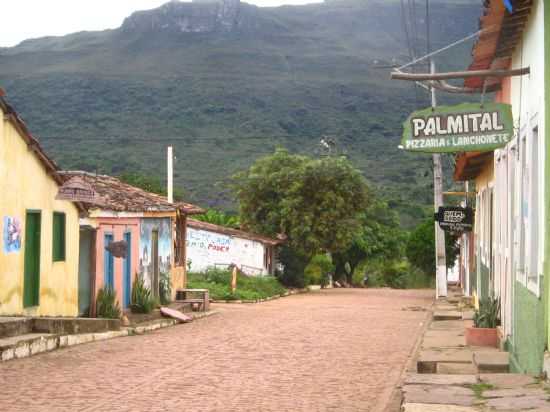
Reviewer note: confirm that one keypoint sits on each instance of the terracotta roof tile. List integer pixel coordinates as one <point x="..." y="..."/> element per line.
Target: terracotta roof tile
<point x="122" y="197"/>
<point x="197" y="224"/>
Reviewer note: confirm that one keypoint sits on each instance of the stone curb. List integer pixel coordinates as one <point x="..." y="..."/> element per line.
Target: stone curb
<point x="42" y="344"/>
<point x="396" y="395"/>
<point x="249" y="302"/>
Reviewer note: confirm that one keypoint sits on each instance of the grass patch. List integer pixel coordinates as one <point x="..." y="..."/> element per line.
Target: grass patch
<point x="479" y="388"/>
<point x="248" y="287"/>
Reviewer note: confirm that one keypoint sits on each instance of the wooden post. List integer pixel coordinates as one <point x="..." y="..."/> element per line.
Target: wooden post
<point x="170" y="174"/>
<point x="459" y="75"/>
<point x="93" y="274"/>
<point x="184" y="247"/>
<point x="234" y="279"/>
<point x="440" y="259"/>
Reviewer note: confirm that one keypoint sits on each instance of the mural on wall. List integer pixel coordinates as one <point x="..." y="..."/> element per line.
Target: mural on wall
<point x="209" y="249"/>
<point x="12" y="234"/>
<point x="147" y="227"/>
<point x="208" y="241"/>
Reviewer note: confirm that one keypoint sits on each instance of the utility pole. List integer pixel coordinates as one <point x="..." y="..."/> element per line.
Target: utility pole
<point x="440" y="260"/>
<point x="170" y="173"/>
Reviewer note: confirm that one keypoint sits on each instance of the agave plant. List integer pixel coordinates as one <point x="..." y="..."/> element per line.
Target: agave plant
<point x="488" y="314"/>
<point x="107" y="305"/>
<point x="142" y="300"/>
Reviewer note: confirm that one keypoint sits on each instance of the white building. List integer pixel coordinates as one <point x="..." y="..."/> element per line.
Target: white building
<point x="210" y="245"/>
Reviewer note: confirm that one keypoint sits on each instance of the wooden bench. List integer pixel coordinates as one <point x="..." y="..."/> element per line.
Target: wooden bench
<point x="189" y="296"/>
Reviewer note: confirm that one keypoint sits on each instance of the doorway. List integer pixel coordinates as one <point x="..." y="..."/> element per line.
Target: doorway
<point x="109" y="263"/>
<point x="155" y="261"/>
<point x="85" y="259"/>
<point x="31" y="283"/>
<point x="127" y="266"/>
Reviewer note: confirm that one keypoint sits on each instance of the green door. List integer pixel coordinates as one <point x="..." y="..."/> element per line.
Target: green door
<point x="31" y="285"/>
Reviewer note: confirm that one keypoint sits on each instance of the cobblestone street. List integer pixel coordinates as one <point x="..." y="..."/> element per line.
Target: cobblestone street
<point x="339" y="350"/>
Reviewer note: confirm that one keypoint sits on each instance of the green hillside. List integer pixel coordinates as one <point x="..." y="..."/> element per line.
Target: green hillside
<point x="226" y="84"/>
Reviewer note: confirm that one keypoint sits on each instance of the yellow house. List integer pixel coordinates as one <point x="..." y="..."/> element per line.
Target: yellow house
<point x="479" y="168"/>
<point x="39" y="235"/>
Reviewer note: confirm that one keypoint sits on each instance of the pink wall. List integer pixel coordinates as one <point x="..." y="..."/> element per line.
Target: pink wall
<point x="503" y="95"/>
<point x="117" y="227"/>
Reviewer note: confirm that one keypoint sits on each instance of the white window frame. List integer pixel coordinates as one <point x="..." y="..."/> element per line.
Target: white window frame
<point x="536" y="217"/>
<point x="530" y="203"/>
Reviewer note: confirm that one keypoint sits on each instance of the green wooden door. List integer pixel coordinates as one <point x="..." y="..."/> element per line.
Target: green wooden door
<point x="31" y="285"/>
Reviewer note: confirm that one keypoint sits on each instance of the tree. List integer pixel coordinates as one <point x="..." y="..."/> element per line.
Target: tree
<point x="316" y="203"/>
<point x="421" y="247"/>
<point x="219" y="218"/>
<point x="379" y="237"/>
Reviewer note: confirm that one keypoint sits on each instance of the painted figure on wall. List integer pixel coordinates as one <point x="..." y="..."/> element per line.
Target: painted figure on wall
<point x="12" y="234"/>
<point x="158" y="230"/>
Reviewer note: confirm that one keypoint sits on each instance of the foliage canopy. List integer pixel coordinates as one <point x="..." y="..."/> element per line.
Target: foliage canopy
<point x="421" y="247"/>
<point x="379" y="237"/>
<point x="316" y="203"/>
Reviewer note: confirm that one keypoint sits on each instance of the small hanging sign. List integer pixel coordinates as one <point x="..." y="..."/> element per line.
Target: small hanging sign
<point x="455" y="219"/>
<point x="118" y="249"/>
<point x="77" y="189"/>
<point x="466" y="127"/>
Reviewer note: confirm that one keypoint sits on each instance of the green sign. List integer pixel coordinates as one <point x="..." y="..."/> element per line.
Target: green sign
<point x="465" y="127"/>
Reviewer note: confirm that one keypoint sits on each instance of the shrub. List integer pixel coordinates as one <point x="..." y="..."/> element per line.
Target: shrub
<point x="294" y="265"/>
<point x="217" y="281"/>
<point x="142" y="301"/>
<point x="107" y="305"/>
<point x="488" y="314"/>
<point x="395" y="275"/>
<point x="165" y="288"/>
<point x="318" y="270"/>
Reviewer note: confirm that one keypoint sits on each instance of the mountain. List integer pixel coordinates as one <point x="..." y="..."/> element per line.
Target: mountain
<point x="225" y="82"/>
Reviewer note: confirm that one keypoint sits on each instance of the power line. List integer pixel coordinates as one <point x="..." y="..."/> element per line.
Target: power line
<point x="187" y="139"/>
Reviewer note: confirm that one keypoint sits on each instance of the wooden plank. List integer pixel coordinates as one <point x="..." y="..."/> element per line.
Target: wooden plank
<point x="191" y="290"/>
<point x="175" y="314"/>
<point x="460" y="75"/>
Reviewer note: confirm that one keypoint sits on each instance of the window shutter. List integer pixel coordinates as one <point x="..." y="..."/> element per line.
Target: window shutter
<point x="58" y="243"/>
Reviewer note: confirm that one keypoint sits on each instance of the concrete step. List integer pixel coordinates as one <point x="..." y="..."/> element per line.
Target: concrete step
<point x="425" y="407"/>
<point x="450" y="368"/>
<point x="447" y="315"/>
<point x="468" y="315"/>
<point x="443" y="306"/>
<point x="507" y="380"/>
<point x="457" y="325"/>
<point x="439" y="394"/>
<point x="443" y="339"/>
<point x="429" y="359"/>
<point x="28" y="344"/>
<point x="439" y="379"/>
<point x="492" y="361"/>
<point x="13" y="326"/>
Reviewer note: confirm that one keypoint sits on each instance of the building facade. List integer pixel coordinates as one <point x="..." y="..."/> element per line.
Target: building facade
<point x="512" y="198"/>
<point x="210" y="245"/>
<point x="145" y="225"/>
<point x="40" y="234"/>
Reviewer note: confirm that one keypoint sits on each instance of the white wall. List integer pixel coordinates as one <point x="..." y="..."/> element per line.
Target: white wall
<point x="206" y="249"/>
<point x="514" y="181"/>
<point x="527" y="99"/>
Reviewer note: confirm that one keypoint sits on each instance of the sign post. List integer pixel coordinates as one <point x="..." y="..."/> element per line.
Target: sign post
<point x="466" y="127"/>
<point x="455" y="219"/>
<point x="440" y="254"/>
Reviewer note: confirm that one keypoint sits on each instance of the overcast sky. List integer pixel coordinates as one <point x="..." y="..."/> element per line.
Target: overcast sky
<point x="25" y="19"/>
